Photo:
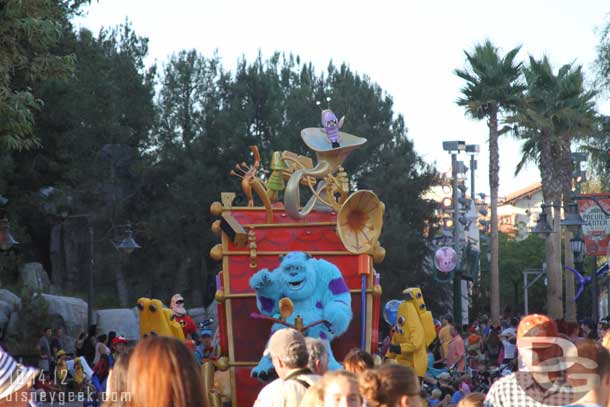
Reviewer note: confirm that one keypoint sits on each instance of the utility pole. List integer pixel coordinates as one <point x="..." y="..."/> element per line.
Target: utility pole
<point x="457" y="277"/>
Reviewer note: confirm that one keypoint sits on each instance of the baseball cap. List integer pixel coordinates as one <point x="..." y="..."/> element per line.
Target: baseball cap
<point x="537" y="325"/>
<point x="119" y="339"/>
<point x="286" y="341"/>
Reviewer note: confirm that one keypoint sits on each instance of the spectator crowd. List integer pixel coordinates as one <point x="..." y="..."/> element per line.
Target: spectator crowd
<point x="532" y="361"/>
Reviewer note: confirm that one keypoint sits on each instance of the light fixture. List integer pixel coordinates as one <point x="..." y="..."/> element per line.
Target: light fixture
<point x="454" y="146"/>
<point x="573" y="221"/>
<point x="578" y="247"/>
<point x="446" y="202"/>
<point x="128" y="244"/>
<point x="542" y="228"/>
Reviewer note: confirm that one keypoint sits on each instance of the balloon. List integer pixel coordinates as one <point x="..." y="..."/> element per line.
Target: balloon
<point x="445" y="259"/>
<point x="390" y="310"/>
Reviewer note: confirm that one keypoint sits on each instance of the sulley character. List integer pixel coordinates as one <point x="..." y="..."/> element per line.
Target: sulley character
<point x="318" y="292"/>
<point x="413" y="332"/>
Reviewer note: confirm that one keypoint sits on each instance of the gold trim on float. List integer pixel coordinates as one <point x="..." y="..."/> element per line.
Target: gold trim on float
<point x="243" y="364"/>
<point x="251" y="208"/>
<point x="253" y="295"/>
<point x="287" y="225"/>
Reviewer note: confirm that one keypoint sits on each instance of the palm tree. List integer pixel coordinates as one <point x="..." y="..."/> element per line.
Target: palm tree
<point x="555" y="110"/>
<point x="492" y="88"/>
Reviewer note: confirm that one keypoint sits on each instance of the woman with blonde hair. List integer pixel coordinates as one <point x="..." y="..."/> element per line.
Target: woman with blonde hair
<point x="116" y="390"/>
<point x="472" y="400"/>
<point x="162" y="373"/>
<point x="336" y="388"/>
<point x="390" y="386"/>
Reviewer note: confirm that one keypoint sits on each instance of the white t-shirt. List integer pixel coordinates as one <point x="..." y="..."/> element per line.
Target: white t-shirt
<point x="509" y="348"/>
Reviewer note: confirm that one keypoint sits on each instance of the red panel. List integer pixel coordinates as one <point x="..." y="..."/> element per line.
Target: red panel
<point x="247" y="387"/>
<point x="249" y="335"/>
<point x="241" y="272"/>
<point x="314" y="238"/>
<point x="245" y="216"/>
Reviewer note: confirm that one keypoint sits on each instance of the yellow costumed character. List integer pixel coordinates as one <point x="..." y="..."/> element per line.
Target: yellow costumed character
<point x="413" y="332"/>
<point x="156" y="320"/>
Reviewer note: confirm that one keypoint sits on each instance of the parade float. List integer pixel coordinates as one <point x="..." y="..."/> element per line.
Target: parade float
<point x="331" y="239"/>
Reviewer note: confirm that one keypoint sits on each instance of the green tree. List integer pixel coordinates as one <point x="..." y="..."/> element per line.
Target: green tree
<point x="92" y="131"/>
<point x="492" y="89"/>
<point x="555" y="110"/>
<point x="29" y="35"/>
<point x="517" y="256"/>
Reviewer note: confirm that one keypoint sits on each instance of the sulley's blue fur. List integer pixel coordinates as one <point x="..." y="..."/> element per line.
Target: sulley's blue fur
<point x="318" y="291"/>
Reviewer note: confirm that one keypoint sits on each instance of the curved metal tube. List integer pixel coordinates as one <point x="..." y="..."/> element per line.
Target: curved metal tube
<point x="292" y="194"/>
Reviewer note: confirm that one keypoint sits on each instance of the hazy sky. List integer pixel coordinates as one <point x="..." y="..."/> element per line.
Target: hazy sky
<point x="409" y="47"/>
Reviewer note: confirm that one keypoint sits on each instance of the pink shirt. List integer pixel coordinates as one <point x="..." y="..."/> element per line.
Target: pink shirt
<point x="456" y="352"/>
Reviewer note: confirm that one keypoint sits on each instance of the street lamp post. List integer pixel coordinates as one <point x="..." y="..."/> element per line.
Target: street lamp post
<point x="125" y="244"/>
<point x="454" y="147"/>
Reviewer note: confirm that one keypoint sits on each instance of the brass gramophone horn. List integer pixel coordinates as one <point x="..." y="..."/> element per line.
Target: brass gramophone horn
<point x="329" y="159"/>
<point x="359" y="221"/>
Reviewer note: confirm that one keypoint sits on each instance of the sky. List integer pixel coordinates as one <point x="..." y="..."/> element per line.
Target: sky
<point x="409" y="47"/>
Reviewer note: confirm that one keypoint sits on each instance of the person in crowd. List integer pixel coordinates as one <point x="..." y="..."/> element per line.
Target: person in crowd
<point x="206" y="347"/>
<point x="357" y="361"/>
<point x="606" y="340"/>
<point x="589" y="329"/>
<point x="509" y="340"/>
<point x="432" y="372"/>
<point x="474" y="344"/>
<point x="472" y="400"/>
<point x="100" y="348"/>
<point x="390" y="385"/>
<point x="602" y="327"/>
<point x="435" y="398"/>
<point x="119" y="346"/>
<point x="188" y="325"/>
<point x="88" y="346"/>
<point x="111" y="336"/>
<point x="484" y="325"/>
<point x="61" y="368"/>
<point x="456" y="356"/>
<point x="444" y="335"/>
<point x="288" y="351"/>
<point x="117" y="395"/>
<point x="588" y="373"/>
<point x="44" y="350"/>
<point x="338" y="388"/>
<point x="542" y="380"/>
<point x="100" y="373"/>
<point x="318" y="356"/>
<point x="445" y="386"/>
<point x="15" y="382"/>
<point x="492" y="346"/>
<point x="58" y="342"/>
<point x="162" y="373"/>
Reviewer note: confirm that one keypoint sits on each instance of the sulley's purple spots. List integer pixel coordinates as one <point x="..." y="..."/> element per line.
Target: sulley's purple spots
<point x="319" y="305"/>
<point x="267" y="303"/>
<point x="323" y="335"/>
<point x="337" y="286"/>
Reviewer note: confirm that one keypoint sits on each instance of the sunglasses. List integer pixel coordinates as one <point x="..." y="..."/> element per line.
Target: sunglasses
<point x="180" y="302"/>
